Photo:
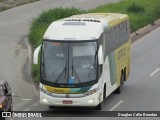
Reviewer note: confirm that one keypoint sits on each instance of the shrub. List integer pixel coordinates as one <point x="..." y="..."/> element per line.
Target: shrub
<point x="134" y="8"/>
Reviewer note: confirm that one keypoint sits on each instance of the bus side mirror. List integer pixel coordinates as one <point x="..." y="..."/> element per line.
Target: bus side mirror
<point x="35" y="55"/>
<point x="100" y="55"/>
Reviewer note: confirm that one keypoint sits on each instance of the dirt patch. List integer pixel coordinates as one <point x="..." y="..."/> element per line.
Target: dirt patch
<point x="7" y="4"/>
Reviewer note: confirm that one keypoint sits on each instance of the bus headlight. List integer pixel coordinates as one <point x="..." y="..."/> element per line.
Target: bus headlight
<point x="90" y="101"/>
<point x="44" y="100"/>
<point x="91" y="91"/>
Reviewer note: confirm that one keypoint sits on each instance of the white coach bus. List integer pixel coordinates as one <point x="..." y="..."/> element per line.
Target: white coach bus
<point x="84" y="58"/>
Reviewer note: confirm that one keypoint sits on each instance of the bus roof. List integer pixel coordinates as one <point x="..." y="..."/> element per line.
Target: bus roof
<point x="111" y="18"/>
<point x="83" y="27"/>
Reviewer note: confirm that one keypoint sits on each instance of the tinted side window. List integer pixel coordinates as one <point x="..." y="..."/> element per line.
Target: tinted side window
<point x="116" y="36"/>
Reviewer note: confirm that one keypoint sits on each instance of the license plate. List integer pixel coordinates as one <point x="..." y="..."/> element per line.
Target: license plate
<point x="67" y="101"/>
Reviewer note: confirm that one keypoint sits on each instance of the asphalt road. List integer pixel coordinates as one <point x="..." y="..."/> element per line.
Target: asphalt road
<point x="141" y="91"/>
<point x="14" y="60"/>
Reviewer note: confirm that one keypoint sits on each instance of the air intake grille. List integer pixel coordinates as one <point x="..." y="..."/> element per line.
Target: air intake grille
<point x="85" y="20"/>
<point x="74" y="23"/>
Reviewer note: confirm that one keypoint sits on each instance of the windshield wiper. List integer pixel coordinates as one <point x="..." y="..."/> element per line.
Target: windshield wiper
<point x="64" y="70"/>
<point x="73" y="69"/>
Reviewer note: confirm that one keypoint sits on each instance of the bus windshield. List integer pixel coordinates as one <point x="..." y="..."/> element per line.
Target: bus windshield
<point x="69" y="62"/>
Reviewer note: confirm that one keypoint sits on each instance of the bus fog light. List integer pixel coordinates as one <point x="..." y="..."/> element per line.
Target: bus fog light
<point x="44" y="100"/>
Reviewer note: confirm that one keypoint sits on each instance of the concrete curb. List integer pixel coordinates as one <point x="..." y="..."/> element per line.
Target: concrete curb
<point x="143" y="31"/>
<point x="30" y="57"/>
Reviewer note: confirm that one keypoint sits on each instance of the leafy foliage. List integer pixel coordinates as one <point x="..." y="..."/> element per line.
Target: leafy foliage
<point x="134" y="8"/>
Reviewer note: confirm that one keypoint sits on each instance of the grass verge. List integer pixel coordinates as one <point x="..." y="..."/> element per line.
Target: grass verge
<point x="140" y="12"/>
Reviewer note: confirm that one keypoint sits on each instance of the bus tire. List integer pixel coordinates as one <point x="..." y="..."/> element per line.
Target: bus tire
<point x="119" y="89"/>
<point x="100" y="106"/>
<point x="125" y="75"/>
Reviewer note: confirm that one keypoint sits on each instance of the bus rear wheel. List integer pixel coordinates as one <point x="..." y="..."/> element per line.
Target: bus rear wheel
<point x="119" y="89"/>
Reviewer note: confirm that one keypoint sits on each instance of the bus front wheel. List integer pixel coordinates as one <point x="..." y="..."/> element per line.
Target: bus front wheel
<point x="100" y="105"/>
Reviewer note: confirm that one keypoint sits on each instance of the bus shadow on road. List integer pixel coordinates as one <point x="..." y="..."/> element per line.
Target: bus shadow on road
<point x="71" y="111"/>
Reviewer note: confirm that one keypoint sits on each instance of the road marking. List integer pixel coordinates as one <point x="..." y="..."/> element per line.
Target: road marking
<point x="154" y="72"/>
<point x="26" y="99"/>
<point x="114" y="107"/>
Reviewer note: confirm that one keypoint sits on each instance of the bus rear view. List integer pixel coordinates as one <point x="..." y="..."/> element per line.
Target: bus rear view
<point x="76" y="68"/>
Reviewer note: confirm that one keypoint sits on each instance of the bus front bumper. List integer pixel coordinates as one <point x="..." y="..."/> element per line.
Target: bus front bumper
<point x="90" y="100"/>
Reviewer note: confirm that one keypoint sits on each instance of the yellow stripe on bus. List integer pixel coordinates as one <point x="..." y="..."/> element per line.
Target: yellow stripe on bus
<point x="57" y="90"/>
